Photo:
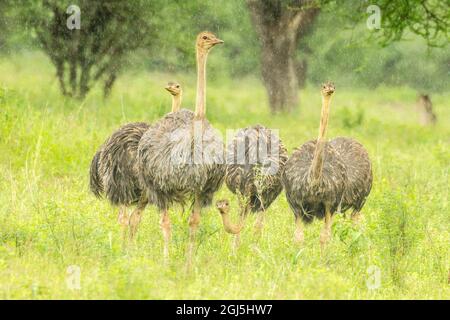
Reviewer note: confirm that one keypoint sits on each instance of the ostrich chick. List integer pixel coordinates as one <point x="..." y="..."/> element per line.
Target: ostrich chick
<point x="177" y="94"/>
<point x="224" y="209"/>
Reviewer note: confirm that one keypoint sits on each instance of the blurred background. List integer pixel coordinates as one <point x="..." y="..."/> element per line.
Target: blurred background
<point x="288" y="44"/>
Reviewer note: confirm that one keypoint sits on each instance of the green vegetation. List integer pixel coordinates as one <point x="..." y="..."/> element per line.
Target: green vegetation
<point x="49" y="220"/>
<point x="332" y="41"/>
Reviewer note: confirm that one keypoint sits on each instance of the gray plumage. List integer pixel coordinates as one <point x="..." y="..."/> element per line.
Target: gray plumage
<point x="95" y="181"/>
<point x="114" y="168"/>
<point x="170" y="168"/>
<point x="254" y="169"/>
<point x="344" y="184"/>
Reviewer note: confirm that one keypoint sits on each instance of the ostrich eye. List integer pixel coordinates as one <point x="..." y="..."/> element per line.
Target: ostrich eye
<point x="178" y="86"/>
<point x="205" y="37"/>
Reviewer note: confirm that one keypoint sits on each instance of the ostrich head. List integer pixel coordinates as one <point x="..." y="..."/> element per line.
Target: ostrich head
<point x="327" y="89"/>
<point x="174" y="88"/>
<point x="206" y="40"/>
<point x="223" y="206"/>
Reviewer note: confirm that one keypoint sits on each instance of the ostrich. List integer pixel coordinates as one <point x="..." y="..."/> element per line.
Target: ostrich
<point x="114" y="170"/>
<point x="180" y="158"/>
<point x="224" y="208"/>
<point x="324" y="177"/>
<point x="177" y="93"/>
<point x="255" y="160"/>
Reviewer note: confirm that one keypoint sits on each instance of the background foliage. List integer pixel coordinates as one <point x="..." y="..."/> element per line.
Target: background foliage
<point x="340" y="48"/>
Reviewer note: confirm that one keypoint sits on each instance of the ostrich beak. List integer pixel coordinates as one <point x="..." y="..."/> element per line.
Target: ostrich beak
<point x="168" y="88"/>
<point x="218" y="41"/>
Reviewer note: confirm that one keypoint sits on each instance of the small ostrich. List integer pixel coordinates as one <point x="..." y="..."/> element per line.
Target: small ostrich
<point x="114" y="168"/>
<point x="177" y="94"/>
<point x="224" y="208"/>
<point x="255" y="161"/>
<point x="324" y="177"/>
<point x="181" y="157"/>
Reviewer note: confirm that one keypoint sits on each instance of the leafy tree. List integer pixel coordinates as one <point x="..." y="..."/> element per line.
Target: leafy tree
<point x="108" y="31"/>
<point x="282" y="24"/>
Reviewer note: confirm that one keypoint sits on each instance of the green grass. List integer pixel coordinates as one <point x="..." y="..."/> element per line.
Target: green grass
<point x="50" y="221"/>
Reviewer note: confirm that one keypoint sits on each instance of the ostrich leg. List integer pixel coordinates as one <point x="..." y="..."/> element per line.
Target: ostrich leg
<point x="135" y="217"/>
<point x="260" y="222"/>
<point x="299" y="237"/>
<point x="356" y="217"/>
<point x="245" y="207"/>
<point x="194" y="221"/>
<point x="325" y="236"/>
<point x="166" y="231"/>
<point x="123" y="221"/>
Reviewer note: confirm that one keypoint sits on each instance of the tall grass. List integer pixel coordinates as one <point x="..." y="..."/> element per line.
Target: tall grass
<point x="49" y="221"/>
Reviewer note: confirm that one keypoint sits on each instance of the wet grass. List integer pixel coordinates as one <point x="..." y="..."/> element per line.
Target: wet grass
<point x="49" y="221"/>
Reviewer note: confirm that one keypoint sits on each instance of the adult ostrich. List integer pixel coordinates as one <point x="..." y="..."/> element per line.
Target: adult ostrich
<point x="181" y="157"/>
<point x="322" y="177"/>
<point x="255" y="161"/>
<point x="114" y="168"/>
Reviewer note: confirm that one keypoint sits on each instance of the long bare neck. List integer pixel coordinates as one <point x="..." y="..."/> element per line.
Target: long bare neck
<point x="317" y="163"/>
<point x="176" y="102"/>
<point x="228" y="225"/>
<point x="200" y="103"/>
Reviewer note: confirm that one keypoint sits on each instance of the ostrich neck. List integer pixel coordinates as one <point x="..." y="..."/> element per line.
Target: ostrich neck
<point x="317" y="162"/>
<point x="200" y="103"/>
<point x="176" y="102"/>
<point x="228" y="225"/>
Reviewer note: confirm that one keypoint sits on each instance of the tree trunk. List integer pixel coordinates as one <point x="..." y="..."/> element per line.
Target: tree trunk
<point x="279" y="74"/>
<point x="280" y="27"/>
<point x="302" y="68"/>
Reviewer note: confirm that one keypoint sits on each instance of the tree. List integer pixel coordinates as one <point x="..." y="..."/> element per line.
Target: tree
<point x="95" y="51"/>
<point x="281" y="24"/>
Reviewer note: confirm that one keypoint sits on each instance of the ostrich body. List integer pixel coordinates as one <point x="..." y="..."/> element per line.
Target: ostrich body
<point x="257" y="176"/>
<point x="114" y="168"/>
<point x="324" y="177"/>
<point x="177" y="157"/>
<point x="255" y="161"/>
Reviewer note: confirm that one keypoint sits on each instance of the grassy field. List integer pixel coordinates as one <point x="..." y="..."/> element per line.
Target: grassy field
<point x="49" y="221"/>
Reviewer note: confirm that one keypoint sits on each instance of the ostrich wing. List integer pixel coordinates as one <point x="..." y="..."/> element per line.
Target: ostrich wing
<point x="358" y="171"/>
<point x="118" y="164"/>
